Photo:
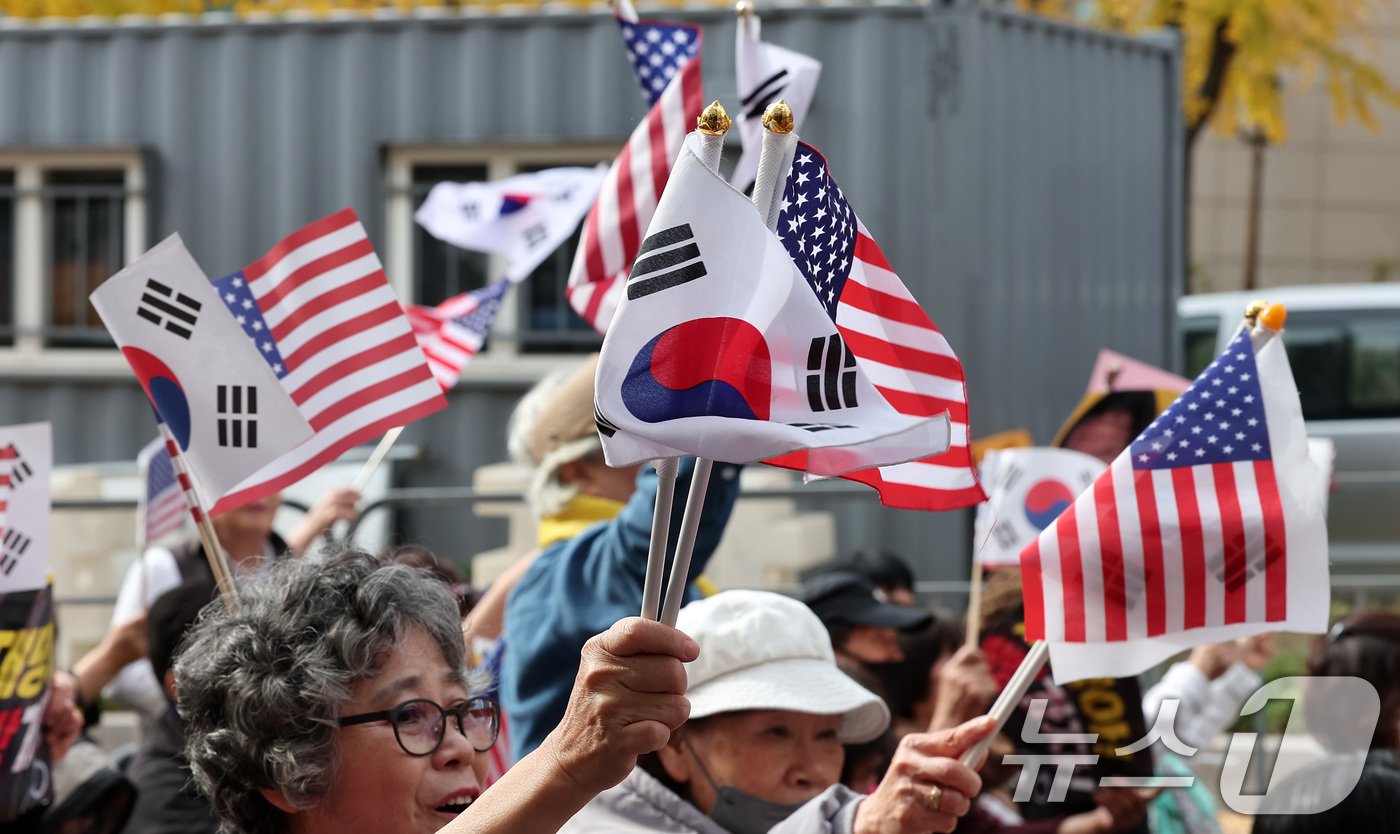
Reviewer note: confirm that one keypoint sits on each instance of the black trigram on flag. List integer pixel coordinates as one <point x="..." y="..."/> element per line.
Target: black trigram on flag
<point x="12" y="548"/>
<point x="164" y="307"/>
<point x="13" y="468"/>
<point x="769" y="89"/>
<point x="238" y="408"/>
<point x="605" y="426"/>
<point x="831" y="377"/>
<point x="667" y="259"/>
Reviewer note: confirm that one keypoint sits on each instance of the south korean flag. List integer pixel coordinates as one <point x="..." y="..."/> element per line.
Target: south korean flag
<point x="26" y="459"/>
<point x="220" y="401"/>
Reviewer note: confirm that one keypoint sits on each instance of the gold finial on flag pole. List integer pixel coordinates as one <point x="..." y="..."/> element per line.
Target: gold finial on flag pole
<point x="1253" y="309"/>
<point x="714" y="121"/>
<point x="744" y="8"/>
<point x="778" y="117"/>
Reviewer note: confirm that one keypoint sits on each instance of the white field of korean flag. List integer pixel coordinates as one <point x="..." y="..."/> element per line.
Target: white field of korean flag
<point x="26" y="461"/>
<point x="1209" y="527"/>
<point x="718" y="342"/>
<point x="222" y="403"/>
<point x="1027" y="488"/>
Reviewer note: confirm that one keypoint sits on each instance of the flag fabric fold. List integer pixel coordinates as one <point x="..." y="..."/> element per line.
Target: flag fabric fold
<point x="892" y="339"/>
<point x="720" y="350"/>
<point x="766" y="72"/>
<point x="1027" y="489"/>
<point x="666" y="60"/>
<point x="523" y="218"/>
<point x="326" y="322"/>
<point x="1208" y="527"/>
<point x="451" y="333"/>
<point x="212" y="389"/>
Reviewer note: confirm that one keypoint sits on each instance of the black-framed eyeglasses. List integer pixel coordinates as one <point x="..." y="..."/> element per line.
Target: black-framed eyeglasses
<point x="420" y="724"/>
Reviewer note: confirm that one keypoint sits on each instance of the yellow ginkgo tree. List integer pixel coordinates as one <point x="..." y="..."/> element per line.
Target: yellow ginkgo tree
<point x="1236" y="55"/>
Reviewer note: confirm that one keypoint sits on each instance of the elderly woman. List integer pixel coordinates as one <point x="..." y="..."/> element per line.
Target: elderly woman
<point x="763" y="749"/>
<point x="334" y="701"/>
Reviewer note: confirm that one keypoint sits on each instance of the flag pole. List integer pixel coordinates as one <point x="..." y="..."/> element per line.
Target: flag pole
<point x="376" y="457"/>
<point x="1015" y="690"/>
<point x="213" y="551"/>
<point x="973" y="617"/>
<point x="712" y="125"/>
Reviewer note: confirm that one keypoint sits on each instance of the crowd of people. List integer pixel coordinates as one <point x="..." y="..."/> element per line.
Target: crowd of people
<point x="357" y="692"/>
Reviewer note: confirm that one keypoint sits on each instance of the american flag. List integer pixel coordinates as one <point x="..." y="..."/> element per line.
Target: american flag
<point x="666" y="59"/>
<point x="898" y="346"/>
<point x="453" y="332"/>
<point x="163" y="503"/>
<point x="1189" y="527"/>
<point x="322" y="314"/>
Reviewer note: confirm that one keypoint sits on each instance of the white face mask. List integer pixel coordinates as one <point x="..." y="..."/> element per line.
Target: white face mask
<point x="738" y="812"/>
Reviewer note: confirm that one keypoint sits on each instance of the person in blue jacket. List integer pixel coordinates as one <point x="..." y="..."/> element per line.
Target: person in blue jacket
<point x="595" y="529"/>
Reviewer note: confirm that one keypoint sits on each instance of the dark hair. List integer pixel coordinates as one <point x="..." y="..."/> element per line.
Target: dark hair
<point x="885" y="569"/>
<point x="1363" y="645"/>
<point x="879" y="751"/>
<point x="170" y="616"/>
<point x="416" y="556"/>
<point x="907" y="682"/>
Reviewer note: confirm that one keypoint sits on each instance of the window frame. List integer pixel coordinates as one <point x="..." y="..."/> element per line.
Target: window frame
<point x="499" y="161"/>
<point x="30" y="352"/>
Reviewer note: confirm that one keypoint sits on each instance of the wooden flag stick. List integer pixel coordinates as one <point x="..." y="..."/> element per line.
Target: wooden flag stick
<point x="712" y="125"/>
<point x="376" y="457"/>
<point x="1015" y="690"/>
<point x="213" y="552"/>
<point x="973" y="617"/>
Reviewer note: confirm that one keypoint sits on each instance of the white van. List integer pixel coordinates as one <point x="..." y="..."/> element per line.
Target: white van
<point x="1344" y="346"/>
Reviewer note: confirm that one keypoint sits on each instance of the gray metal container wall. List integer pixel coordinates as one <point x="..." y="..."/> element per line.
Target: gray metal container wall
<point x="1022" y="176"/>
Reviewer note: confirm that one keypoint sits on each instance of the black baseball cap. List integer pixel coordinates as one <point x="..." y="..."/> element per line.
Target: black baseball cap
<point x="844" y="597"/>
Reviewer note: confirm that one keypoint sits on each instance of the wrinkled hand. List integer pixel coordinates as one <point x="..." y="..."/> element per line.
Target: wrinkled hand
<point x="963" y="688"/>
<point x="902" y="804"/>
<point x="1256" y="652"/>
<point x="338" y="504"/>
<point x="63" y="720"/>
<point x="628" y="697"/>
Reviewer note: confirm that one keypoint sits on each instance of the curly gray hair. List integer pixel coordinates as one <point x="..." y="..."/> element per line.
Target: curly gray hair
<point x="261" y="688"/>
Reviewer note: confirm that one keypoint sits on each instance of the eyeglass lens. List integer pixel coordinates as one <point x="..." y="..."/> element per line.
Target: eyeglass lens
<point x="420" y="724"/>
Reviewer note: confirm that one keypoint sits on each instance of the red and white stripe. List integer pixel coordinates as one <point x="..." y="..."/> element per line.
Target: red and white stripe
<point x="353" y="366"/>
<point x="182" y="474"/>
<point x="1143" y="553"/>
<point x="911" y="364"/>
<point x="447" y="344"/>
<point x="617" y="222"/>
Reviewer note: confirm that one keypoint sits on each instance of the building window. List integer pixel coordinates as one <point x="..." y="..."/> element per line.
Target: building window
<point x="84" y="214"/>
<point x="536" y="317"/>
<point x="68" y="222"/>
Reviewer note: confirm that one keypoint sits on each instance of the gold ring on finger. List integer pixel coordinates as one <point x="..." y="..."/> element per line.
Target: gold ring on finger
<point x="935" y="798"/>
